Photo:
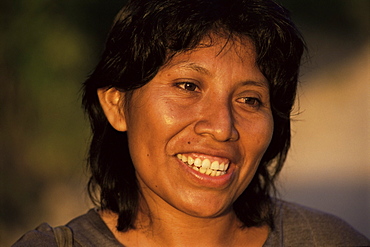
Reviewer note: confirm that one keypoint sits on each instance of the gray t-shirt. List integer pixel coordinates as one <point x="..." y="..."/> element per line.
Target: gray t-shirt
<point x="294" y="226"/>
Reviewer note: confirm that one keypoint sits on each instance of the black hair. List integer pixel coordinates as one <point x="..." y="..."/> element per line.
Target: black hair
<point x="144" y="36"/>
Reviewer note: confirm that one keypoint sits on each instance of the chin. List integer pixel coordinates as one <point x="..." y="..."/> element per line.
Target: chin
<point x="206" y="209"/>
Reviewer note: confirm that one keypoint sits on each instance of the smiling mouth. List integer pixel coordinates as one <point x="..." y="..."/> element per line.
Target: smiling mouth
<point x="205" y="166"/>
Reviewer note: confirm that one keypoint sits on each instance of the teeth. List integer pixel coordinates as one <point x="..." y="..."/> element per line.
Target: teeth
<point x="215" y="165"/>
<point x="190" y="160"/>
<point x="184" y="159"/>
<point x="205" y="166"/>
<point x="197" y="162"/>
<point x="206" y="163"/>
<point x="202" y="170"/>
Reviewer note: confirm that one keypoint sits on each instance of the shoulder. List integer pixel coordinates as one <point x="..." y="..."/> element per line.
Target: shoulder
<point x="43" y="235"/>
<point x="299" y="225"/>
<point x="90" y="230"/>
<point x="87" y="230"/>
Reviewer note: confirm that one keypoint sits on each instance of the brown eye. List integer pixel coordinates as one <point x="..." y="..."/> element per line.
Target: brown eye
<point x="250" y="101"/>
<point x="188" y="86"/>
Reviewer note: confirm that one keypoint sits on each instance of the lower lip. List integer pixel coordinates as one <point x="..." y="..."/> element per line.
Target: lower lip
<point x="206" y="180"/>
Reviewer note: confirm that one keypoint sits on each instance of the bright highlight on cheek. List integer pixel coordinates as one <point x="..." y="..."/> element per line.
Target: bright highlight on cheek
<point x="168" y="119"/>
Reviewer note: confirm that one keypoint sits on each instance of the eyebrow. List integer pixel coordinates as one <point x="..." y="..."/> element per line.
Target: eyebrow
<point x="196" y="68"/>
<point x="263" y="84"/>
<point x="202" y="70"/>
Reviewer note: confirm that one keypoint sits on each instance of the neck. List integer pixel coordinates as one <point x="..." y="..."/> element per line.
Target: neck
<point x="166" y="228"/>
<point x="183" y="230"/>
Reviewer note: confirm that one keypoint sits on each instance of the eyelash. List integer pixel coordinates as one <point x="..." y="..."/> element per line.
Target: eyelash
<point x="256" y="103"/>
<point x="184" y="85"/>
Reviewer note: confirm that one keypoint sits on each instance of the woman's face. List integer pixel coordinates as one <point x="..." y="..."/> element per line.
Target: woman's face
<point x="199" y="129"/>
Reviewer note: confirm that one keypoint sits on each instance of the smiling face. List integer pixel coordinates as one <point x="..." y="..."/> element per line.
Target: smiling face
<point x="198" y="130"/>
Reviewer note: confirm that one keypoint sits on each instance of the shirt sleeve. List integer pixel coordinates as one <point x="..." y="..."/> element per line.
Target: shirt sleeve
<point x="42" y="236"/>
<point x="302" y="225"/>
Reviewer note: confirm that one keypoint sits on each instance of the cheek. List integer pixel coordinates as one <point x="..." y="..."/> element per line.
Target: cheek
<point x="151" y="126"/>
<point x="173" y="117"/>
<point x="266" y="133"/>
<point x="257" y="136"/>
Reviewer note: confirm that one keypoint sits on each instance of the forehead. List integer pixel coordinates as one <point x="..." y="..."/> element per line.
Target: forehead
<point x="233" y="55"/>
<point x="220" y="45"/>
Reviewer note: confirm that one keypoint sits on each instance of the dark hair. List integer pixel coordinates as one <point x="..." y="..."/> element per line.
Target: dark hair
<point x="145" y="35"/>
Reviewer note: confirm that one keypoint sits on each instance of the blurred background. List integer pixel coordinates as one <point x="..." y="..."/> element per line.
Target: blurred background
<point x="47" y="49"/>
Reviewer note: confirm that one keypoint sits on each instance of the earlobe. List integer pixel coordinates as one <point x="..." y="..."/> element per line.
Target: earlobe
<point x="111" y="101"/>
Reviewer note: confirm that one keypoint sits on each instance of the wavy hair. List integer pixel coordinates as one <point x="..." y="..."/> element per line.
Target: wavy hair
<point x="145" y="35"/>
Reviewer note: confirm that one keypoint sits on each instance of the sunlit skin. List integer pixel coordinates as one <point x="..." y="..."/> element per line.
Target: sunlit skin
<point x="212" y="103"/>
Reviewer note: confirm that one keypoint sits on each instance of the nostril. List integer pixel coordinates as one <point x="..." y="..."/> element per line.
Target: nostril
<point x="219" y="129"/>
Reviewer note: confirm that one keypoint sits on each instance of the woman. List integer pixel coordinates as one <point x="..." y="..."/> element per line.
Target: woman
<point x="190" y="112"/>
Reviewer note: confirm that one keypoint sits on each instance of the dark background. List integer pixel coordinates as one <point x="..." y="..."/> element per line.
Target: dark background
<point x="47" y="49"/>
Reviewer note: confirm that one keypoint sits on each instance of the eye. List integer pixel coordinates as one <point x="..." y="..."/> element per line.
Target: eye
<point x="250" y="101"/>
<point x="188" y="86"/>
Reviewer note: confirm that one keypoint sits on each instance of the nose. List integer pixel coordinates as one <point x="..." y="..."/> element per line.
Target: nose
<point x="217" y="121"/>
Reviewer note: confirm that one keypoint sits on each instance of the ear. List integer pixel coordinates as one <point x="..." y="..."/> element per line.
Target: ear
<point x="111" y="101"/>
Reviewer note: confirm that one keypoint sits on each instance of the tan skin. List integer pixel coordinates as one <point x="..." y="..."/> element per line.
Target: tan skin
<point x="211" y="103"/>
